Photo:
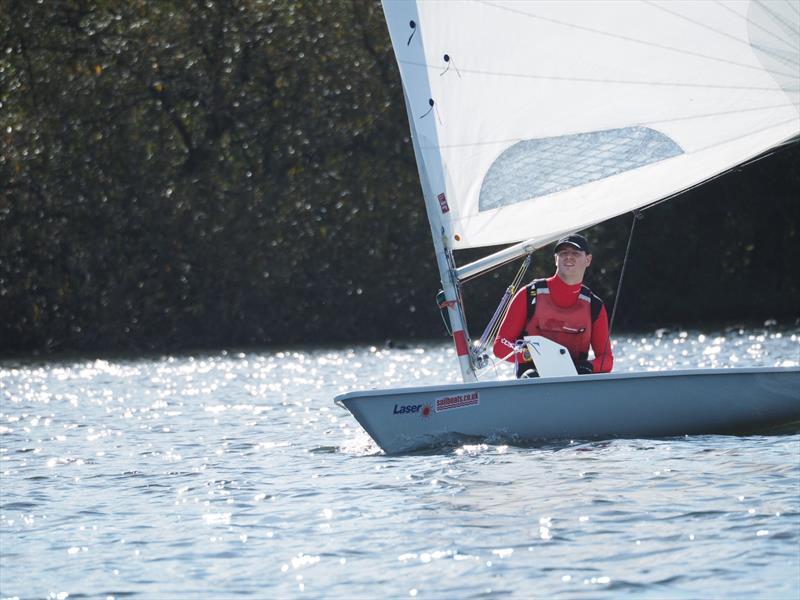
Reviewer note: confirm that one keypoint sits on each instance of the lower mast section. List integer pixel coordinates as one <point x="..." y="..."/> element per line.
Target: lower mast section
<point x="455" y="311"/>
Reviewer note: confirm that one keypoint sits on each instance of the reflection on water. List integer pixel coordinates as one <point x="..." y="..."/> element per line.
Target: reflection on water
<point x="684" y="349"/>
<point x="233" y="474"/>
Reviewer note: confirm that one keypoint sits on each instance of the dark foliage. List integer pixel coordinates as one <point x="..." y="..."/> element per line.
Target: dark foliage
<point x="185" y="174"/>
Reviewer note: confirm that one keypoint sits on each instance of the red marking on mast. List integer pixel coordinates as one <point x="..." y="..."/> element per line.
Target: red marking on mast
<point x="462" y="349"/>
<point x="443" y="203"/>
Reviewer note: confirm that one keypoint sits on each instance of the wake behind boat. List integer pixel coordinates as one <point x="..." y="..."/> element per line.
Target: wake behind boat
<point x="532" y="120"/>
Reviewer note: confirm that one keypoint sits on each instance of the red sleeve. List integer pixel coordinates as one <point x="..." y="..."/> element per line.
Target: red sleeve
<point x="604" y="357"/>
<point x="512" y="326"/>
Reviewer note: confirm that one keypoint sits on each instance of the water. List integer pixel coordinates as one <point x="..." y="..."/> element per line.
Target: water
<point x="234" y="475"/>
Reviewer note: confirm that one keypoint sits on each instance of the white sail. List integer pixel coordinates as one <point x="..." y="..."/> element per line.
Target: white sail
<point x="533" y="119"/>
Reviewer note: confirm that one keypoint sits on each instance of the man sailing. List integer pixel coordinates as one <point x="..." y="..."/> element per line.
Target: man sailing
<point x="560" y="309"/>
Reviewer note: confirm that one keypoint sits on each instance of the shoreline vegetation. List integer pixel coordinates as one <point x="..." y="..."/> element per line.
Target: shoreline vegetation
<point x="239" y="174"/>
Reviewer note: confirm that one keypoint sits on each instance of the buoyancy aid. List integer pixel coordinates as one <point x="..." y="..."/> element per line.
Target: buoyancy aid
<point x="571" y="326"/>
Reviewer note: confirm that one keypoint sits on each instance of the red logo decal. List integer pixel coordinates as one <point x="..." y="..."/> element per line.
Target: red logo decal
<point x="457" y="401"/>
<point x="443" y="203"/>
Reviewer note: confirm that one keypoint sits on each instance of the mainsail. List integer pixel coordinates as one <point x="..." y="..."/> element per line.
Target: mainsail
<point x="534" y="119"/>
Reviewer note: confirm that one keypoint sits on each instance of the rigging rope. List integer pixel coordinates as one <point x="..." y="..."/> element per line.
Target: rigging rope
<point x="637" y="216"/>
<point x="494" y="323"/>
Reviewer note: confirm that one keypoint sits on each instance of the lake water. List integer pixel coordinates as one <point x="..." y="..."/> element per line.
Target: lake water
<point x="233" y="474"/>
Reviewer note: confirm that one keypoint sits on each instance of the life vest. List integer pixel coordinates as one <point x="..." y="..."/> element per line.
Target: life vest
<point x="571" y="327"/>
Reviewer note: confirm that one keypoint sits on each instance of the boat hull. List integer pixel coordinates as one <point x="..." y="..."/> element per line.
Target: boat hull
<point x="620" y="405"/>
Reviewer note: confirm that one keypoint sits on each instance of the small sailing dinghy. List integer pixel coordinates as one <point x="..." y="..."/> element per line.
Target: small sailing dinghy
<point x="531" y="120"/>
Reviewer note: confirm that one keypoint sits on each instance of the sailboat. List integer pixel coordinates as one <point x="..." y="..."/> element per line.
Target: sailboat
<point x="533" y="120"/>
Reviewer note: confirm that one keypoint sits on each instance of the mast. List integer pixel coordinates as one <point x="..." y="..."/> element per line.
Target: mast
<point x="436" y="205"/>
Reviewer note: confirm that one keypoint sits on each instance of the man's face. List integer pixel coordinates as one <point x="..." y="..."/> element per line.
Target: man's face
<point x="571" y="263"/>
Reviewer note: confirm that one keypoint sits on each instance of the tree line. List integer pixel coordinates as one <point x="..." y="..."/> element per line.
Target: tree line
<point x="181" y="174"/>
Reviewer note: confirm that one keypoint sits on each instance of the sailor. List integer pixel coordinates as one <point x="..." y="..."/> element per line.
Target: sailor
<point x="561" y="309"/>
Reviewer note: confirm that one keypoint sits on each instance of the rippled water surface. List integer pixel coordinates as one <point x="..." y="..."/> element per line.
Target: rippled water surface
<point x="233" y="474"/>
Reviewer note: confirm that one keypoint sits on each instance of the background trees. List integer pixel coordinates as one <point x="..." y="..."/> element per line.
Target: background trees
<point x="182" y="174"/>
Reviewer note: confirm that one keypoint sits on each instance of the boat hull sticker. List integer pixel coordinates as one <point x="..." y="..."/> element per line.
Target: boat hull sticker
<point x="457" y="401"/>
<point x="412" y="409"/>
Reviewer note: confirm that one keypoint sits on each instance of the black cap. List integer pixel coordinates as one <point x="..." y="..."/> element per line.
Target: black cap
<point x="575" y="240"/>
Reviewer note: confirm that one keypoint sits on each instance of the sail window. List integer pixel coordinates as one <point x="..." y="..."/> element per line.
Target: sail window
<point x="774" y="39"/>
<point x="533" y="168"/>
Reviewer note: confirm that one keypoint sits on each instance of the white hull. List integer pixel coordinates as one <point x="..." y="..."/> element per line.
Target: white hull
<point x="619" y="405"/>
